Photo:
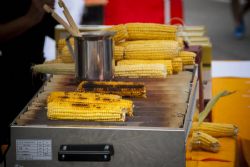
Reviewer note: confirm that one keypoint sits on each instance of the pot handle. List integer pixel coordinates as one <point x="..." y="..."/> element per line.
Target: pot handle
<point x="71" y="50"/>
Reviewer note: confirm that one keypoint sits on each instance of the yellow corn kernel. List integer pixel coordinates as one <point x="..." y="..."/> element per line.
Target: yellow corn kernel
<point x="205" y="142"/>
<point x="166" y="50"/>
<point x="62" y="43"/>
<point x="142" y="31"/>
<point x="66" y="56"/>
<point x="118" y="52"/>
<point x="188" y="58"/>
<point x="141" y="71"/>
<point x="177" y="65"/>
<point x="121" y="32"/>
<point x="167" y="63"/>
<point x="91" y="99"/>
<point x="216" y="129"/>
<point x="77" y="111"/>
<point x="180" y="42"/>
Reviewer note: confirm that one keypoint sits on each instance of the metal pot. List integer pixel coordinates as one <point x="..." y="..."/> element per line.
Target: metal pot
<point x="93" y="54"/>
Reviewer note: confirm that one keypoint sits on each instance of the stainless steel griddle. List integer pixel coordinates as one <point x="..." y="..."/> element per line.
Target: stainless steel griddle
<point x="155" y="136"/>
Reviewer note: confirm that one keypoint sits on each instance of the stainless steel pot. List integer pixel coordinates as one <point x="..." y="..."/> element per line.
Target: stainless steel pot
<point x="93" y="53"/>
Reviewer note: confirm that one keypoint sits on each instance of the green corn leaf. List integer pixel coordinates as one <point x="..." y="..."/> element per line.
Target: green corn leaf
<point x="211" y="104"/>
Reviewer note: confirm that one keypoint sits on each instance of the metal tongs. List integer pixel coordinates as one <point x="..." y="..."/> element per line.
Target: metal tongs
<point x="71" y="26"/>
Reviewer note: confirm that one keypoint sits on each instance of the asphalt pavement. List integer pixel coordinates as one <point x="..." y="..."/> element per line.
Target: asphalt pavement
<point x="217" y="17"/>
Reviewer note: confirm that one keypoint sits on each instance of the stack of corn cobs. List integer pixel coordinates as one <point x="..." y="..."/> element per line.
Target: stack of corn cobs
<point x="142" y="50"/>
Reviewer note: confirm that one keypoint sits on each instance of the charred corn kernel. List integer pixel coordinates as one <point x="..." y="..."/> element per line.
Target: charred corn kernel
<point x="216" y="129"/>
<point x="83" y="96"/>
<point x="142" y="31"/>
<point x="167" y="63"/>
<point x="127" y="89"/>
<point x="166" y="50"/>
<point x="78" y="111"/>
<point x="92" y="98"/>
<point x="141" y="71"/>
<point x="118" y="52"/>
<point x="177" y="64"/>
<point x="188" y="58"/>
<point x="121" y="32"/>
<point x="204" y="141"/>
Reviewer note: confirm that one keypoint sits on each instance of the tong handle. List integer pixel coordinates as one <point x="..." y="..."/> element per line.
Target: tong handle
<point x="59" y="20"/>
<point x="68" y="16"/>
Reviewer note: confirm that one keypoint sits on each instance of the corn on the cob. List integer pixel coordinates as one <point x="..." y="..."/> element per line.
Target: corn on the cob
<point x="77" y="111"/>
<point x="216" y="129"/>
<point x="152" y="50"/>
<point x="167" y="63"/>
<point x="88" y="106"/>
<point x="141" y="71"/>
<point x="91" y="99"/>
<point x="126" y="43"/>
<point x="177" y="64"/>
<point x="204" y="141"/>
<point x="125" y="89"/>
<point x="118" y="52"/>
<point x="83" y="96"/>
<point x="188" y="58"/>
<point x="56" y="69"/>
<point x="141" y="31"/>
<point x="121" y="32"/>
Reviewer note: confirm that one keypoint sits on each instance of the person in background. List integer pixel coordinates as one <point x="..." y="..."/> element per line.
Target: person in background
<point x="238" y="13"/>
<point x="94" y="11"/>
<point x="23" y="27"/>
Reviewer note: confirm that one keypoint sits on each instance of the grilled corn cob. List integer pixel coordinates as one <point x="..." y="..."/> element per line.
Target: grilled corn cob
<point x="140" y="31"/>
<point x="216" y="129"/>
<point x="118" y="52"/>
<point x="83" y="96"/>
<point x="126" y="89"/>
<point x="80" y="111"/>
<point x="177" y="65"/>
<point x="121" y="32"/>
<point x="141" y="71"/>
<point x="167" y="63"/>
<point x="91" y="99"/>
<point x="188" y="58"/>
<point x="152" y="50"/>
<point x="204" y="141"/>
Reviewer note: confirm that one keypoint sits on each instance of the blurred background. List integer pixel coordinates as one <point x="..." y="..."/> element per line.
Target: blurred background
<point x="217" y="17"/>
